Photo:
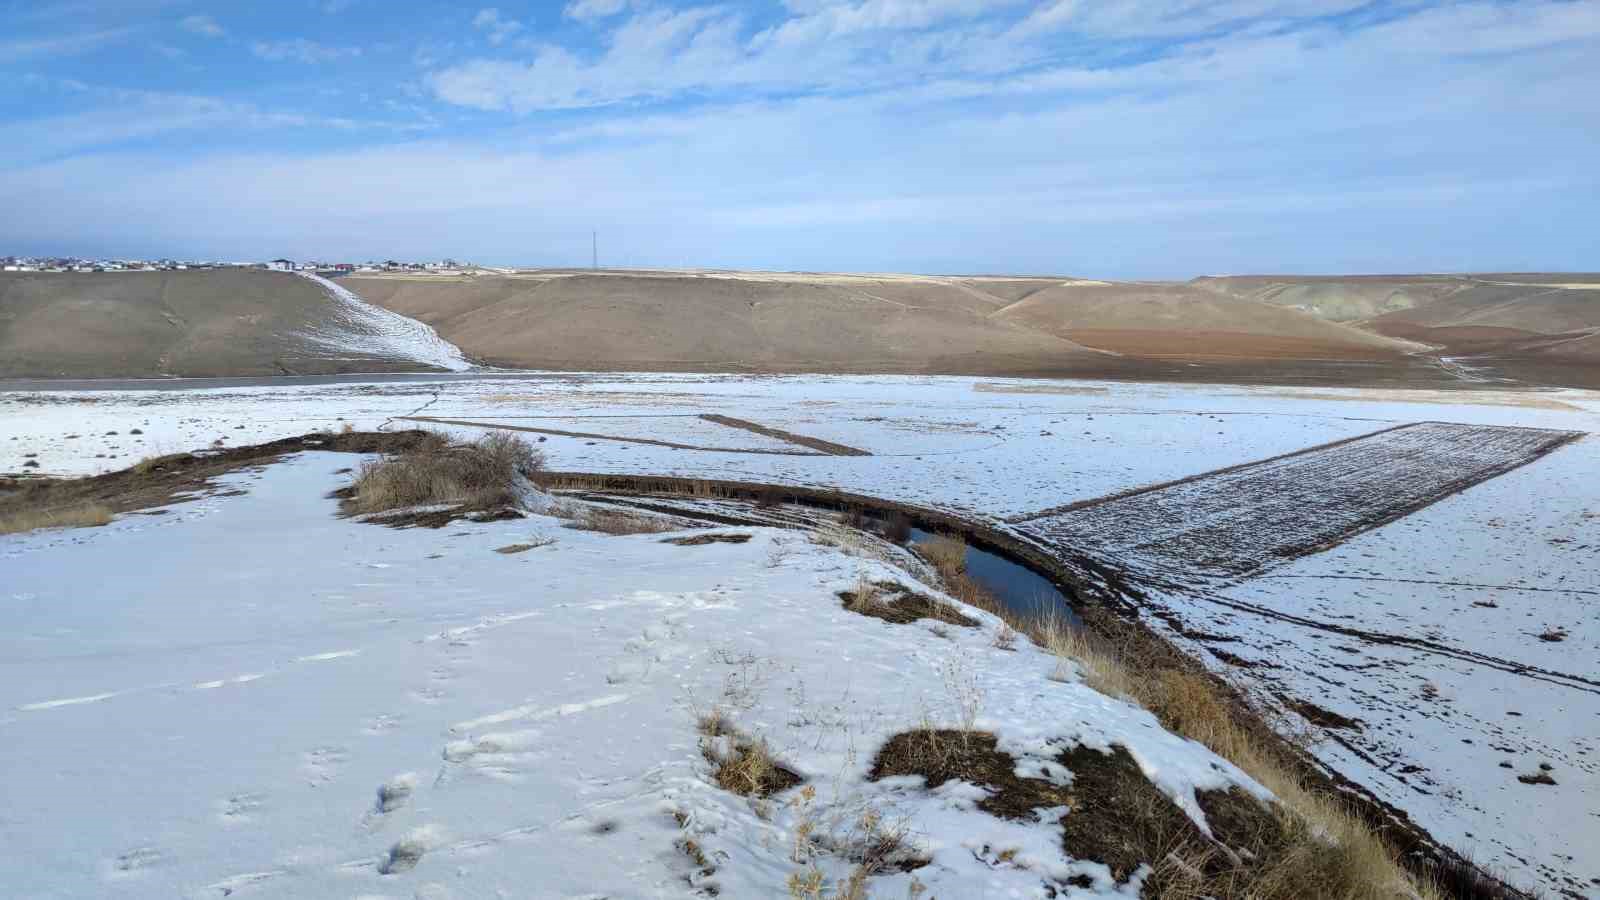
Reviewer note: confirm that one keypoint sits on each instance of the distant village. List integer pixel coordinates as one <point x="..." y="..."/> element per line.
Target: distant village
<point x="75" y="264"/>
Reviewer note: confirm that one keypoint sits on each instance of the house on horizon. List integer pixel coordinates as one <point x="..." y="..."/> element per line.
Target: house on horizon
<point x="281" y="265"/>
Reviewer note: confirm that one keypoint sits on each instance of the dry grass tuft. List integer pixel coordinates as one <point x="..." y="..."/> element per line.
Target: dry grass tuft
<point x="750" y="770"/>
<point x="947" y="555"/>
<point x="87" y="515"/>
<point x="895" y="604"/>
<point x="948" y="754"/>
<point x="479" y="475"/>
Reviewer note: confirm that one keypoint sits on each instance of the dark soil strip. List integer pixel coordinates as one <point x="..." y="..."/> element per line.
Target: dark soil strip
<point x="897" y="605"/>
<point x="605" y="437"/>
<point x="1123" y="495"/>
<point x="818" y="444"/>
<point x="700" y="540"/>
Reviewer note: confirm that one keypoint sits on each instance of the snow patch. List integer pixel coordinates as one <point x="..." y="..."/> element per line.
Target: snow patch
<point x="364" y="328"/>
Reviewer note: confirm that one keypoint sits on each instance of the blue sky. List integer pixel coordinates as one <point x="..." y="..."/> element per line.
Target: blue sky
<point x="1159" y="139"/>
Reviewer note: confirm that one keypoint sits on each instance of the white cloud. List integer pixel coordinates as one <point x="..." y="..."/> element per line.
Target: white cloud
<point x="114" y="115"/>
<point x="834" y="19"/>
<point x="20" y="49"/>
<point x="202" y="25"/>
<point x="590" y="10"/>
<point x="301" y="50"/>
<point x="498" y="28"/>
<point x="1174" y="18"/>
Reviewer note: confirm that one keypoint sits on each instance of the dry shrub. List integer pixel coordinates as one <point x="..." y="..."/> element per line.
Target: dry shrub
<point x="750" y="770"/>
<point x="82" y="516"/>
<point x="740" y="764"/>
<point x="865" y="598"/>
<point x="479" y="475"/>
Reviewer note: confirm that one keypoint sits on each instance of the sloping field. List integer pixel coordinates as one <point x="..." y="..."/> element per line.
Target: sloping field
<point x="1499" y="318"/>
<point x="1176" y="320"/>
<point x="1529" y="308"/>
<point x="1241" y="520"/>
<point x="207" y="322"/>
<point x="716" y="321"/>
<point x="1336" y="298"/>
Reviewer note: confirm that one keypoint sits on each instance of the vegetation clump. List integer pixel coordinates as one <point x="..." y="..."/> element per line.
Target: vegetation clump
<point x="899" y="605"/>
<point x="83" y="515"/>
<point x="742" y="764"/>
<point x="481" y="475"/>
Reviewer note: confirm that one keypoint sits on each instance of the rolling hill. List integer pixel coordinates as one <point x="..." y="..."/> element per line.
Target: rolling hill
<point x="198" y="323"/>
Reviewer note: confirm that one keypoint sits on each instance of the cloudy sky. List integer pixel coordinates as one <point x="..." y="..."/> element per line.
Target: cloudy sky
<point x="1157" y="139"/>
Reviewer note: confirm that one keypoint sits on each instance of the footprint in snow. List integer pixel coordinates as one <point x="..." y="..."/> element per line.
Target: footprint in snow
<point x="380" y="724"/>
<point x="396" y="792"/>
<point x="135" y="861"/>
<point x="322" y="764"/>
<point x="429" y="695"/>
<point x="409" y="850"/>
<point x="241" y="808"/>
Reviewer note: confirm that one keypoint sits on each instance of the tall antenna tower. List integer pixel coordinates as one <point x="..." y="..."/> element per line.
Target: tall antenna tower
<point x="594" y="250"/>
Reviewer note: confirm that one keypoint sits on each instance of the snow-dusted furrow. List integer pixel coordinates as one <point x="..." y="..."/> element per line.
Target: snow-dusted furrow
<point x="364" y="328"/>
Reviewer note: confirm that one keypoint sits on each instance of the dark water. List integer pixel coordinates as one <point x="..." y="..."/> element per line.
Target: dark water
<point x="1021" y="589"/>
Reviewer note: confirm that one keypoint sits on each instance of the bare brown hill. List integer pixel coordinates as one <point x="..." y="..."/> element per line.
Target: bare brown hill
<point x="728" y="322"/>
<point x="198" y="322"/>
<point x="1535" y="327"/>
<point x="1177" y="320"/>
<point x="1529" y="308"/>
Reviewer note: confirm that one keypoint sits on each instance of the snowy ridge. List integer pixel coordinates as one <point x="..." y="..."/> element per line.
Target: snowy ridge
<point x="374" y="330"/>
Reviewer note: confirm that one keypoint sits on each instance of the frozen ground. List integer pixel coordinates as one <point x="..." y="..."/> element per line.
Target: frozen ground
<point x="250" y="697"/>
<point x="1433" y="654"/>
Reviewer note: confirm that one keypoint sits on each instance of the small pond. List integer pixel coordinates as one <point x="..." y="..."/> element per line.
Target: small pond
<point x="1021" y="589"/>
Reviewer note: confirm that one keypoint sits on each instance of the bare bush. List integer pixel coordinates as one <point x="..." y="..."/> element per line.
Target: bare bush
<point x="479" y="475"/>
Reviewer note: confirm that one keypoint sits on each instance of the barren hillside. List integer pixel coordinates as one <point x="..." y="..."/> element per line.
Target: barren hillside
<point x="1337" y="298"/>
<point x="213" y="322"/>
<point x="1176" y="320"/>
<point x="723" y="322"/>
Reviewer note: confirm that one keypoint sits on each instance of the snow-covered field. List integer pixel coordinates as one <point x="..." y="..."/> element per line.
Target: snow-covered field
<point x="1492" y="590"/>
<point x="251" y="697"/>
